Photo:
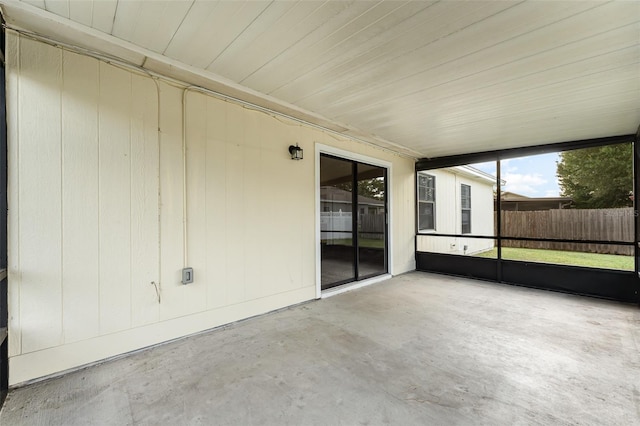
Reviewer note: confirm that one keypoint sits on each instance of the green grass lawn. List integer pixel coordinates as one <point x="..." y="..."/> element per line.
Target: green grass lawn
<point x="594" y="260"/>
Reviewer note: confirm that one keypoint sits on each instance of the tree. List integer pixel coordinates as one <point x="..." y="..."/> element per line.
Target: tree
<point x="599" y="177"/>
<point x="370" y="188"/>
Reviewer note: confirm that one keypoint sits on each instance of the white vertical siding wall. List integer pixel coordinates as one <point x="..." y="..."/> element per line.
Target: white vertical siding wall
<point x="481" y="215"/>
<point x="449" y="214"/>
<point x="96" y="210"/>
<point x="80" y="203"/>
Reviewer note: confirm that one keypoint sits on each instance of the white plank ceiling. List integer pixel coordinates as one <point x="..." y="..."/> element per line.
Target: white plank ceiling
<point x="436" y="77"/>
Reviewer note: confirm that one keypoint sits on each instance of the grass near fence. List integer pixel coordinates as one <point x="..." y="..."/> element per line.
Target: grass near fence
<point x="593" y="260"/>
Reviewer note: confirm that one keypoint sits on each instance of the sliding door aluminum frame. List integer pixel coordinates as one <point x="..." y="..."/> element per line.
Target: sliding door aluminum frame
<point x="4" y="314"/>
<point x="609" y="284"/>
<point x="354" y="222"/>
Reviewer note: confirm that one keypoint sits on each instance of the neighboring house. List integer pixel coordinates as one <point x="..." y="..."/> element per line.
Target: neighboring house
<point x="511" y="201"/>
<point x="336" y="220"/>
<point x="334" y="199"/>
<point x="456" y="200"/>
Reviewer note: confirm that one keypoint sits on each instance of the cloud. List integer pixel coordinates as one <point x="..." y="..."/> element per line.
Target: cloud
<point x="552" y="193"/>
<point x="523" y="184"/>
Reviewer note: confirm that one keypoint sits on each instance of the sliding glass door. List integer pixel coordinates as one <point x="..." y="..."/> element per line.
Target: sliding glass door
<point x="353" y="221"/>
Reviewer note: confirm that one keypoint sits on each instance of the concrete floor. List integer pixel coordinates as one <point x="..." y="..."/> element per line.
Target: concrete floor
<point x="335" y="270"/>
<point x="418" y="349"/>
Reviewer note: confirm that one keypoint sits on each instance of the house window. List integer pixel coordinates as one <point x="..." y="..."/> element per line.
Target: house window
<point x="465" y="203"/>
<point x="426" y="202"/>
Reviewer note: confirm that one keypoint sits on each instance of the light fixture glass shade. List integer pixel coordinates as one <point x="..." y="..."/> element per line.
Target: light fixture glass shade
<point x="296" y="152"/>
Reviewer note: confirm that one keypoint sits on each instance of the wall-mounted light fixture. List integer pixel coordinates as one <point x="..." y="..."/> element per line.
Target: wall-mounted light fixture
<point x="296" y="152"/>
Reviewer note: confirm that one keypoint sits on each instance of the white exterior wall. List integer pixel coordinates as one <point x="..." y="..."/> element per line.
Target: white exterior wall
<point x="96" y="210"/>
<point x="449" y="214"/>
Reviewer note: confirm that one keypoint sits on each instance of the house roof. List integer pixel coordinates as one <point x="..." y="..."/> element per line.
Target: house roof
<point x="512" y="196"/>
<point x="333" y="194"/>
<point x="473" y="173"/>
<point x="421" y="78"/>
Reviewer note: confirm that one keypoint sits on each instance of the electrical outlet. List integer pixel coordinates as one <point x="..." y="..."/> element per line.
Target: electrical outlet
<point x="187" y="275"/>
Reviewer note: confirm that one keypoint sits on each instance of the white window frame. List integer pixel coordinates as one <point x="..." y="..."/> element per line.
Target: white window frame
<point x="433" y="202"/>
<point x="463" y="209"/>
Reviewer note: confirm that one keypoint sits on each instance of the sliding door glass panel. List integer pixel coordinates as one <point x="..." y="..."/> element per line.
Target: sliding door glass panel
<point x="371" y="210"/>
<point x="336" y="222"/>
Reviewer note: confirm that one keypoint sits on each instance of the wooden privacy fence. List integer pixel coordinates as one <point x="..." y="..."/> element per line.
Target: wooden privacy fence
<point x="571" y="224"/>
<point x="372" y="226"/>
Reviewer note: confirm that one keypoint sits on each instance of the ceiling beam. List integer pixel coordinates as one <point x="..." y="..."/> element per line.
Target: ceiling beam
<point x="480" y="157"/>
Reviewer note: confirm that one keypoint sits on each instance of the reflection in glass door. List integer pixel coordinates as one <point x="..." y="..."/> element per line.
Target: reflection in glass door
<point x="353" y="221"/>
<point x="336" y="221"/>
<point x="371" y="220"/>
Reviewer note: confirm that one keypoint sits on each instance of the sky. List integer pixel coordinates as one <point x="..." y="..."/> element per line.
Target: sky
<point x="532" y="176"/>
